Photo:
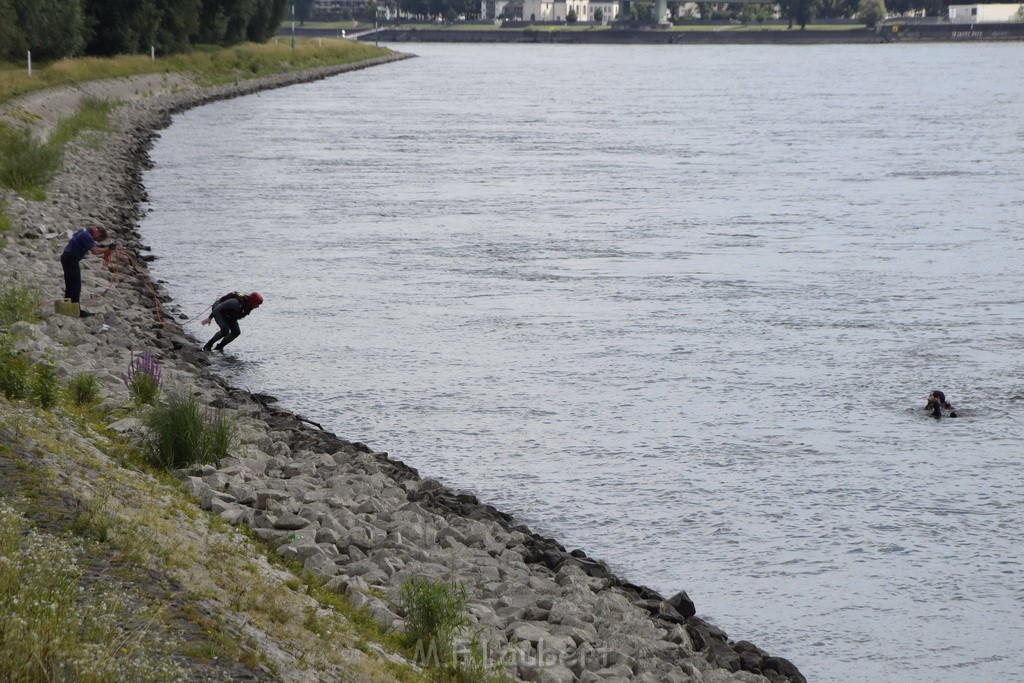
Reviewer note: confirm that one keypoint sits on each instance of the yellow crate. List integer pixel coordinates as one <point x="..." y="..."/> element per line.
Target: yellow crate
<point x="66" y="307"/>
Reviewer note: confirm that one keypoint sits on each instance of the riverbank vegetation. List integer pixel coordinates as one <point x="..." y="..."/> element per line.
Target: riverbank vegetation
<point x="27" y="163"/>
<point x="108" y="571"/>
<point x="107" y="565"/>
<point x="207" y="65"/>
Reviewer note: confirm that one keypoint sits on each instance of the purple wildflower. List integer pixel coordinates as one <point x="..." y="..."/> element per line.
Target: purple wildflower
<point x="143" y="379"/>
<point x="144" y="365"/>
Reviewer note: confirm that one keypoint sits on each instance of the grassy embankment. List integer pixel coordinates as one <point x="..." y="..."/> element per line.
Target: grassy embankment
<point x="26" y="164"/>
<point x="108" y="568"/>
<point x="208" y="65"/>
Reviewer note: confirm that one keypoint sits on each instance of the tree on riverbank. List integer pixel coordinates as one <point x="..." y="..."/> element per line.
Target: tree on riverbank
<point x="871" y="12"/>
<point x="798" y="11"/>
<point x="52" y="29"/>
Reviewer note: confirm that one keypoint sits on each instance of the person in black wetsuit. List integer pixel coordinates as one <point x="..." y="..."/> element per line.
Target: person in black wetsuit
<point x="227" y="311"/>
<point x="83" y="242"/>
<point x="937" y="403"/>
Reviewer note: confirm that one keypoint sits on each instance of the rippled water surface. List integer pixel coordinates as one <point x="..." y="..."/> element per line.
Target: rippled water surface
<point x="679" y="307"/>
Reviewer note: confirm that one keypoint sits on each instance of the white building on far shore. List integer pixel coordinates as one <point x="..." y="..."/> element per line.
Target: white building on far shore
<point x="982" y="14"/>
<point x="558" y="10"/>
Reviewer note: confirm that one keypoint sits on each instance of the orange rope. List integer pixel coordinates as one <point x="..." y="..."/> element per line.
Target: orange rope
<point x="119" y="262"/>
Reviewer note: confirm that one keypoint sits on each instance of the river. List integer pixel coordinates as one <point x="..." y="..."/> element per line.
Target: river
<point x="677" y="306"/>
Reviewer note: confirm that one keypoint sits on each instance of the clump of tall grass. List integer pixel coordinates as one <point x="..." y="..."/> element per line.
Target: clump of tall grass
<point x="45" y="384"/>
<point x="5" y="223"/>
<point x="435" y="613"/>
<point x="181" y="433"/>
<point x="83" y="389"/>
<point x="143" y="379"/>
<point x="52" y="629"/>
<point x="15" y="368"/>
<point x="18" y="303"/>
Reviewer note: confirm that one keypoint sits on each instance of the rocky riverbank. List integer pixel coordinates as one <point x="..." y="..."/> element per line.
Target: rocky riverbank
<point x="353" y="516"/>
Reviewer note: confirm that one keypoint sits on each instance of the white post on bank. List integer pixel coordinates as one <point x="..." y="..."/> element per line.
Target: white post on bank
<point x="152" y="53"/>
<point x="30" y="62"/>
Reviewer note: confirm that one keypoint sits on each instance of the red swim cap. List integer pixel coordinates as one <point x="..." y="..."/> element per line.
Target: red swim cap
<point x="255" y="299"/>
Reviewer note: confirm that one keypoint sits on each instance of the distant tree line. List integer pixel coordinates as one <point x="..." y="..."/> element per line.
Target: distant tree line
<point x="447" y="9"/>
<point x="52" y="29"/>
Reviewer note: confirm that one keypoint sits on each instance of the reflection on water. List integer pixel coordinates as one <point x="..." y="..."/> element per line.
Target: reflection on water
<point x="680" y="307"/>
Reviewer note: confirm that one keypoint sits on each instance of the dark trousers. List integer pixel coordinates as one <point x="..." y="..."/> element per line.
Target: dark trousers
<point x="72" y="277"/>
<point x="229" y="330"/>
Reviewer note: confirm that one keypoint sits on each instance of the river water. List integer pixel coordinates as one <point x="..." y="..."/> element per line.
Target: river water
<point x="677" y="306"/>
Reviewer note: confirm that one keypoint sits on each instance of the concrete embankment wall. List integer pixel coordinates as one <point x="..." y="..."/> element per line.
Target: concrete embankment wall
<point x="887" y="34"/>
<point x="908" y="33"/>
<point x="617" y="37"/>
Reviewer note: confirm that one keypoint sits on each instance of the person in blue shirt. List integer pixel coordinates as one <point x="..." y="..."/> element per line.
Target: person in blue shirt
<point x="227" y="311"/>
<point x="82" y="242"/>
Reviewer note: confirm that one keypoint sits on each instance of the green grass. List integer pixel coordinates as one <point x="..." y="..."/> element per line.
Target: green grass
<point x="183" y="434"/>
<point x="18" y="303"/>
<point x="350" y="25"/>
<point x="435" y="613"/>
<point x="83" y="389"/>
<point x="46" y="387"/>
<point x="5" y="223"/>
<point x="15" y="369"/>
<point x="69" y="608"/>
<point x="53" y="626"/>
<point x="208" y="65"/>
<point x="26" y="164"/>
<point x="92" y="114"/>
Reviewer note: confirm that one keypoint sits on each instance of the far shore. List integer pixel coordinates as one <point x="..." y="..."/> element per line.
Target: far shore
<point x="697" y="34"/>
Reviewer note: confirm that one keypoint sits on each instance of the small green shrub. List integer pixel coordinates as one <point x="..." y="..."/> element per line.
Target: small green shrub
<point x="83" y="389"/>
<point x="143" y="379"/>
<point x="15" y="368"/>
<point x="18" y="303"/>
<point x="181" y="433"/>
<point x="217" y="435"/>
<point x="435" y="612"/>
<point x="45" y="384"/>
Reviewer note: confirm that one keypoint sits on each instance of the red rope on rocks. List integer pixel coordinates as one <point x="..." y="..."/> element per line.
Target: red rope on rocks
<point x="120" y="263"/>
<point x="123" y="257"/>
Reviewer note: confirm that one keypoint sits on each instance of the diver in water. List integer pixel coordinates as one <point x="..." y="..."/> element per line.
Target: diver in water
<point x="937" y="403"/>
